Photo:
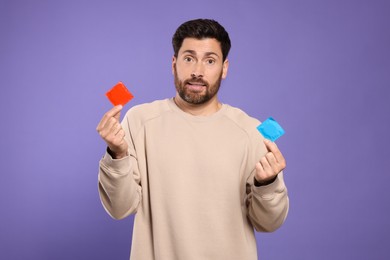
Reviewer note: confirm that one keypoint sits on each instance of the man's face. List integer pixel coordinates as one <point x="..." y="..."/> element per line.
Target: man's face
<point x="199" y="69"/>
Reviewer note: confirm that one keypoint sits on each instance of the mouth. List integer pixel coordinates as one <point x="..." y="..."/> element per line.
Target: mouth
<point x="196" y="83"/>
<point x="196" y="86"/>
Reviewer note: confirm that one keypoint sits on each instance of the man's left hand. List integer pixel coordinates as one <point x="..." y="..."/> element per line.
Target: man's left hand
<point x="271" y="164"/>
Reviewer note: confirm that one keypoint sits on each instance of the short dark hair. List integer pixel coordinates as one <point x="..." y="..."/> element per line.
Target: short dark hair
<point x="201" y="29"/>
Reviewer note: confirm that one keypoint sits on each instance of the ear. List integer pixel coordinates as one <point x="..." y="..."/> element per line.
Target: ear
<point x="173" y="64"/>
<point x="225" y="67"/>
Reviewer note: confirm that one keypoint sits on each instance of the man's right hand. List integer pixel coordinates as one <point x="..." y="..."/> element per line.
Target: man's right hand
<point x="110" y="129"/>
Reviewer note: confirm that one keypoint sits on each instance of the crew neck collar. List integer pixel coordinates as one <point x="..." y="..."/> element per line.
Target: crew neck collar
<point x="217" y="114"/>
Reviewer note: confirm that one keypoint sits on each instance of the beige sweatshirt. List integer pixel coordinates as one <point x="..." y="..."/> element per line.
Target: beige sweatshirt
<point x="189" y="180"/>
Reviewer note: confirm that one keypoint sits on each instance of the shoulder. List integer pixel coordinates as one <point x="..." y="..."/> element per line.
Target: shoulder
<point x="242" y="120"/>
<point x="149" y="110"/>
<point x="248" y="126"/>
<point x="140" y="114"/>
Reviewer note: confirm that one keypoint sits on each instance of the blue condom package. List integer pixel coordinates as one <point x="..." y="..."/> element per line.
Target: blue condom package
<point x="270" y="129"/>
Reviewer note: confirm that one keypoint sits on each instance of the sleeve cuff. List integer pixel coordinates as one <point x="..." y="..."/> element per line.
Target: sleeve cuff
<point x="269" y="191"/>
<point x="119" y="166"/>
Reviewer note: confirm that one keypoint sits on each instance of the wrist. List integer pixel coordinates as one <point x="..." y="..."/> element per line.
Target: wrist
<point x="115" y="155"/>
<point x="264" y="182"/>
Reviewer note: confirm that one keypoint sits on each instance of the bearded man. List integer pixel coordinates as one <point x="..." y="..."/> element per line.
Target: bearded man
<point x="196" y="173"/>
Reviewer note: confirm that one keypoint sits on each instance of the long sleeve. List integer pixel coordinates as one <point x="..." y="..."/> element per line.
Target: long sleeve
<point x="267" y="205"/>
<point x="120" y="181"/>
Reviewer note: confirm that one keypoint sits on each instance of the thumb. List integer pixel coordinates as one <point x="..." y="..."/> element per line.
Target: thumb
<point x="117" y="112"/>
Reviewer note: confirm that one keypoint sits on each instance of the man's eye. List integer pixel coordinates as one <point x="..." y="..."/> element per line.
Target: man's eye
<point x="188" y="59"/>
<point x="210" y="61"/>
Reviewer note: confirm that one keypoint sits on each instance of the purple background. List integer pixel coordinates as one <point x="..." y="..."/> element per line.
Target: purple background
<point x="320" y="68"/>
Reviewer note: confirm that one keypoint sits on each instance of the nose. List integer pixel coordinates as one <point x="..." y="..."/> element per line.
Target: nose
<point x="197" y="71"/>
<point x="196" y="75"/>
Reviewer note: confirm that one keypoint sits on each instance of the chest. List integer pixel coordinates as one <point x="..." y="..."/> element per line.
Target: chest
<point x="195" y="156"/>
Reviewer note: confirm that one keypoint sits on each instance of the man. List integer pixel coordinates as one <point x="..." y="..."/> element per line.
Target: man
<point x="197" y="173"/>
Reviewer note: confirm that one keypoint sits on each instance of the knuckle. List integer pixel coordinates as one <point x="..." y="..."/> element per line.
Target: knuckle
<point x="263" y="160"/>
<point x="101" y="132"/>
<point x="269" y="155"/>
<point x="283" y="165"/>
<point x="111" y="120"/>
<point x="105" y="116"/>
<point x="105" y="137"/>
<point x="282" y="162"/>
<point x="259" y="167"/>
<point x="110" y="140"/>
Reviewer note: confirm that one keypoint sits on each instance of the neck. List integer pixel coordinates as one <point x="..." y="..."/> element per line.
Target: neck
<point x="205" y="109"/>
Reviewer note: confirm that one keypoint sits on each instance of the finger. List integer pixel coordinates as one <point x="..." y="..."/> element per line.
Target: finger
<point x="119" y="141"/>
<point x="273" y="163"/>
<point x="107" y="129"/>
<point x="114" y="142"/>
<point x="263" y="171"/>
<point x="120" y="136"/>
<point x="266" y="166"/>
<point x="272" y="147"/>
<point x="110" y="125"/>
<point x="259" y="168"/>
<point x="116" y="129"/>
<point x="260" y="174"/>
<point x="117" y="112"/>
<point x="113" y="112"/>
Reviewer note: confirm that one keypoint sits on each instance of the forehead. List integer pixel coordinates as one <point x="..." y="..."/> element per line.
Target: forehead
<point x="201" y="46"/>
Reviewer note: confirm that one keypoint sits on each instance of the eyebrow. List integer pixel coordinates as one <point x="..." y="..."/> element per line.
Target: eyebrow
<point x="206" y="53"/>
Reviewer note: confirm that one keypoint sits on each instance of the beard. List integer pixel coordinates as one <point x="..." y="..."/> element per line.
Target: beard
<point x="194" y="97"/>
